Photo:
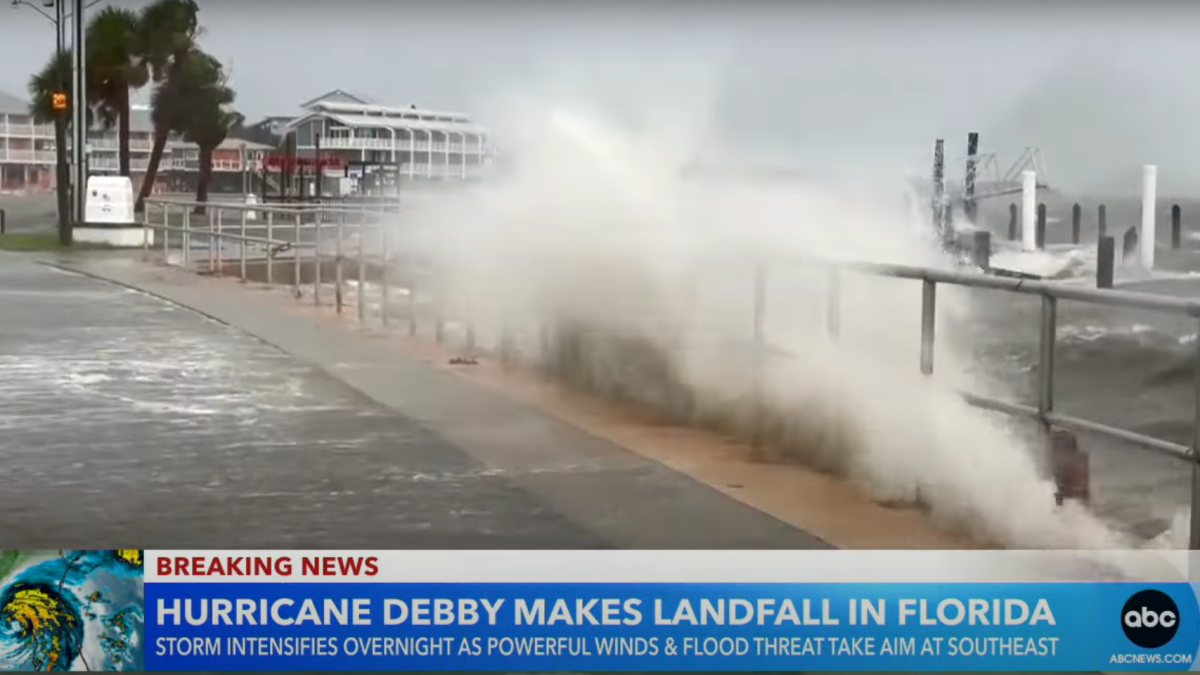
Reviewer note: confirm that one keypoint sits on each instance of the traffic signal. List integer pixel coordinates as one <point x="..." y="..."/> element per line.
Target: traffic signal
<point x="58" y="100"/>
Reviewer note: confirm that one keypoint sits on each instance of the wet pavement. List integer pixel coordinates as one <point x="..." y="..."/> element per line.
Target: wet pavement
<point x="128" y="421"/>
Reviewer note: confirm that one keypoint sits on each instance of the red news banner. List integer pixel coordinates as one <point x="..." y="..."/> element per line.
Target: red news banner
<point x="168" y="567"/>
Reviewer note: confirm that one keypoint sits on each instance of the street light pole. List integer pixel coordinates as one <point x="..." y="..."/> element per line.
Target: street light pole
<point x="79" y="110"/>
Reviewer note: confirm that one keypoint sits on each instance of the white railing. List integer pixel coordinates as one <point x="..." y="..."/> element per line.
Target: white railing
<point x="315" y="234"/>
<point x="27" y="130"/>
<point x="402" y="144"/>
<point x="113" y="164"/>
<point x="31" y="156"/>
<point x="106" y="143"/>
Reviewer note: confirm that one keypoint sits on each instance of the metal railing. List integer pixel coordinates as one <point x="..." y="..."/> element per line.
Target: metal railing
<point x="294" y="220"/>
<point x="1044" y="411"/>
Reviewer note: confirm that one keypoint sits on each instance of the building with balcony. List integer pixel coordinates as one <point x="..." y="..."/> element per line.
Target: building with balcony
<point x="27" y="153"/>
<point x="426" y="145"/>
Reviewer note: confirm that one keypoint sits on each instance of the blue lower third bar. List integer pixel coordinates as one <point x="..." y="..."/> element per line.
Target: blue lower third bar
<point x="670" y="627"/>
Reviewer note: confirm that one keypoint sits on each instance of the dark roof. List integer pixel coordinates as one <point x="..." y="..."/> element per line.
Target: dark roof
<point x="12" y="105"/>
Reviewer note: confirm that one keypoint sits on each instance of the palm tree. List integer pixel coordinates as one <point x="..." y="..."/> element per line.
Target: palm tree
<point x="167" y="36"/>
<point x="116" y="64"/>
<point x="209" y="121"/>
<point x="52" y="78"/>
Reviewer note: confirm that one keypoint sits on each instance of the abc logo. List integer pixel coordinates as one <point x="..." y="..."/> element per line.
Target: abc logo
<point x="1150" y="619"/>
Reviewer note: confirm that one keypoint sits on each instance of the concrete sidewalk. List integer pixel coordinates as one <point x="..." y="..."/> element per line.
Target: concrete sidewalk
<point x="607" y="494"/>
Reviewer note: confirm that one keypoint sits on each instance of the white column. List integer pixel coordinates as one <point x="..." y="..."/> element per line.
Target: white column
<point x="1149" y="201"/>
<point x="412" y="145"/>
<point x="429" y="166"/>
<point x="1029" y="210"/>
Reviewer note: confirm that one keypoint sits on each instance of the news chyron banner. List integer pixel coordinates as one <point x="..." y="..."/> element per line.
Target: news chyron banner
<point x="667" y="611"/>
<point x="71" y="610"/>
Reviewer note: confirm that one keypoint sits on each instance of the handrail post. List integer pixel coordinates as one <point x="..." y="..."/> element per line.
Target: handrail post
<point x="1194" y="525"/>
<point x="1048" y="336"/>
<point x="758" y="357"/>
<point x="145" y="235"/>
<point x="212" y="252"/>
<point x="166" y="234"/>
<point x="317" y="258"/>
<point x="242" y="249"/>
<point x="270" y="261"/>
<point x="187" y="236"/>
<point x="833" y="306"/>
<point x="337" y="263"/>
<point x="296" y="255"/>
<point x="220" y="240"/>
<point x="412" y="302"/>
<point x="928" y="324"/>
<point x="383" y="273"/>
<point x="362" y="277"/>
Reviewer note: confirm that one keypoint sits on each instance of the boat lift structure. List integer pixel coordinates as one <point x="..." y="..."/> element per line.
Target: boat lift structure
<point x="995" y="184"/>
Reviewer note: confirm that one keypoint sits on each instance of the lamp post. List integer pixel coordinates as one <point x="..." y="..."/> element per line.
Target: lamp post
<point x="59" y="18"/>
<point x="79" y="110"/>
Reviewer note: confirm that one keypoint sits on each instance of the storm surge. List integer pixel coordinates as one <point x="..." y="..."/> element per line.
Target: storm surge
<point x="597" y="258"/>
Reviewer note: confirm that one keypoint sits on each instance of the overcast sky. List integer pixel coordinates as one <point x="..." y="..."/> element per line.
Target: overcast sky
<point x="849" y="87"/>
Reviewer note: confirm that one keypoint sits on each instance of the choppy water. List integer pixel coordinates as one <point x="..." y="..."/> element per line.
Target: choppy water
<point x="1132" y="369"/>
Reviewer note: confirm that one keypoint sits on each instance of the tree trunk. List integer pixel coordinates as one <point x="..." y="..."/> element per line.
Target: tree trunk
<point x="123" y="131"/>
<point x="156" y="153"/>
<point x="204" y="177"/>
<point x="62" y="179"/>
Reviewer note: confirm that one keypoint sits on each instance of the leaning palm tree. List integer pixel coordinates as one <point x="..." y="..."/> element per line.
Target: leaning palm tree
<point x="168" y="30"/>
<point x="51" y="79"/>
<point x="209" y="122"/>
<point x="116" y="65"/>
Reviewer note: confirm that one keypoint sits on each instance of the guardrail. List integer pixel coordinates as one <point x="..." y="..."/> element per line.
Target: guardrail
<point x="342" y="221"/>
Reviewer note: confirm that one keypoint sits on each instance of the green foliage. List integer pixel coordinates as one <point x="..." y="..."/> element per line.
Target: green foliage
<point x="115" y="62"/>
<point x="168" y="33"/>
<point x="54" y="76"/>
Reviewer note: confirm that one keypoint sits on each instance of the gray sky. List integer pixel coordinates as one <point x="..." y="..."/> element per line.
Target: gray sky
<point x="855" y="87"/>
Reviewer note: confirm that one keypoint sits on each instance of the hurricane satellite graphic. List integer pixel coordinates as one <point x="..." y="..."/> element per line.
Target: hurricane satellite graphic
<point x="71" y="610"/>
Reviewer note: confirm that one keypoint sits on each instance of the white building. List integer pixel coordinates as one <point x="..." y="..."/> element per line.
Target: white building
<point x="27" y="152"/>
<point x="425" y="144"/>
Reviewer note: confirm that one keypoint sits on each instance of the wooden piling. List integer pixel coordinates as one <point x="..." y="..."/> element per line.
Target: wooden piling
<point x="981" y="249"/>
<point x="1040" y="232"/>
<point x="1106" y="252"/>
<point x="1076" y="220"/>
<point x="1176" y="227"/>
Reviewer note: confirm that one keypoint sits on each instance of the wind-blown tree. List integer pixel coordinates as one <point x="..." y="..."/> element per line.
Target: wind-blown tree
<point x="116" y="64"/>
<point x="168" y="31"/>
<point x="209" y="122"/>
<point x="54" y="77"/>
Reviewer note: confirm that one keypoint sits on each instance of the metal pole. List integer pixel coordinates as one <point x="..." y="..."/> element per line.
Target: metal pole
<point x="1194" y="529"/>
<point x="296" y="256"/>
<point x="757" y="395"/>
<point x="506" y="340"/>
<point x="337" y="264"/>
<point x="939" y="185"/>
<point x="317" y="260"/>
<point x="969" y="182"/>
<point x="270" y="247"/>
<point x="1049" y="330"/>
<point x="220" y="241"/>
<point x="383" y="272"/>
<point x="242" y="247"/>
<point x="833" y="307"/>
<point x="362" y="291"/>
<point x="928" y="324"/>
<point x="166" y="233"/>
<point x="79" y="96"/>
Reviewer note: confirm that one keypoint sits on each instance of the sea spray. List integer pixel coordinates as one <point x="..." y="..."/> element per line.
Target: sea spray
<point x="621" y="276"/>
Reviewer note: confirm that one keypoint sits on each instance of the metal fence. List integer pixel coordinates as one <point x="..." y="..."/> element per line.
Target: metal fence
<point x="302" y="232"/>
